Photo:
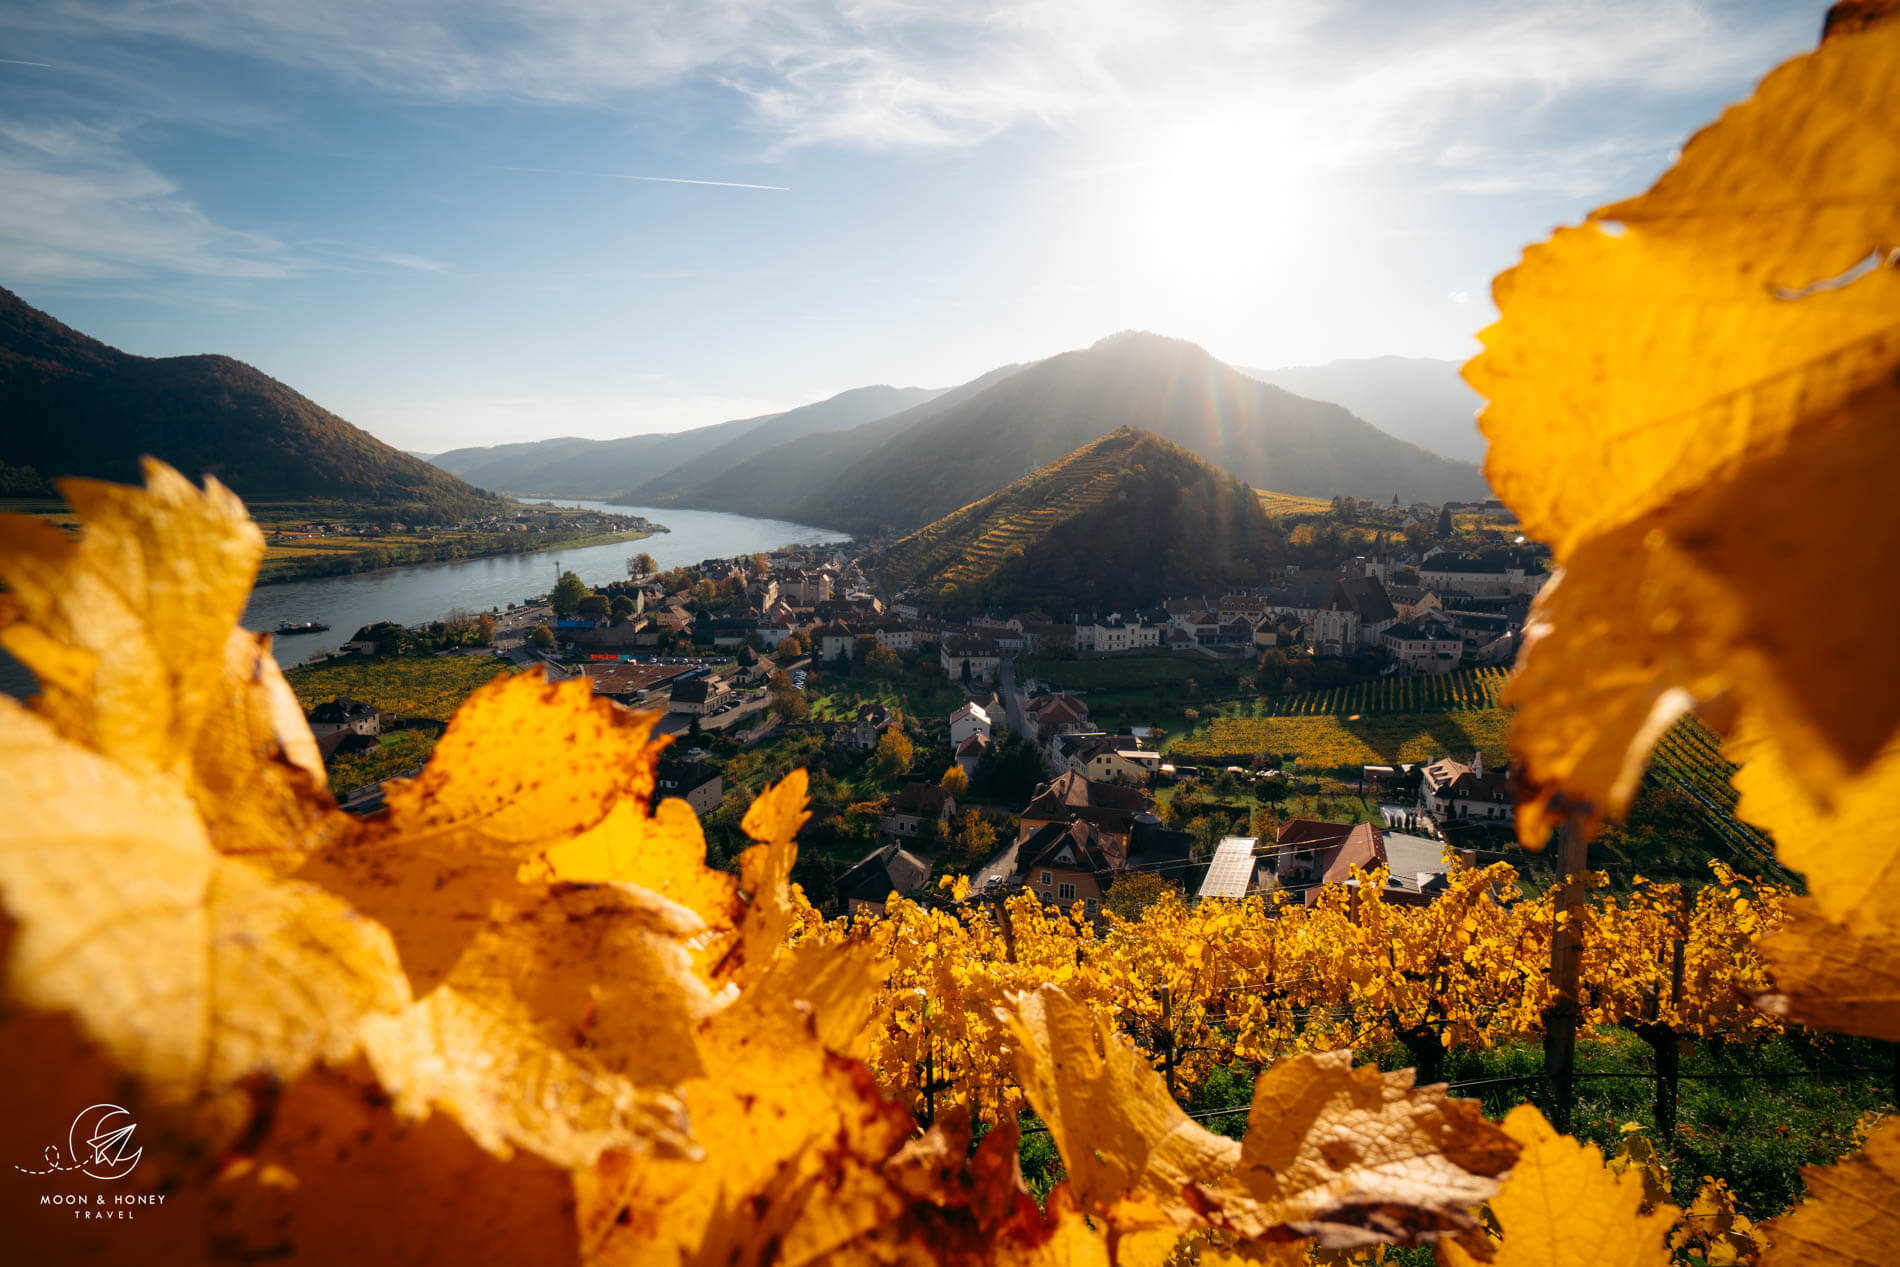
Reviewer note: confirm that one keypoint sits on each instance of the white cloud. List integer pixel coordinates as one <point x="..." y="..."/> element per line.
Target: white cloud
<point x="1459" y="296"/>
<point x="1364" y="78"/>
<point x="75" y="203"/>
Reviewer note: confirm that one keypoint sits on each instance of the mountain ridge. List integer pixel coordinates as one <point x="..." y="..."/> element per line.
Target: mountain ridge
<point x="78" y="406"/>
<point x="1421" y="400"/>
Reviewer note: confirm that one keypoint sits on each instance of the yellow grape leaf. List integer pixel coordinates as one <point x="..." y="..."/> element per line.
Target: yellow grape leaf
<point x="795" y="1136"/>
<point x="1345" y="1156"/>
<point x="131" y="628"/>
<point x="1127" y="1146"/>
<point x="1835" y="959"/>
<point x="765" y="878"/>
<point x="1851" y="1217"/>
<point x="1350" y="1156"/>
<point x="563" y="1027"/>
<point x="1674" y="404"/>
<point x="191" y="968"/>
<point x="664" y="852"/>
<point x="1561" y="1207"/>
<point x="554" y="1017"/>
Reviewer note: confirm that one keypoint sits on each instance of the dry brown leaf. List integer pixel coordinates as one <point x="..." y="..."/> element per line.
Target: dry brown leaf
<point x="1352" y="1156"/>
<point x="1344" y="1156"/>
<point x="1678" y="413"/>
<point x="1851" y="1217"/>
<point x="1561" y="1207"/>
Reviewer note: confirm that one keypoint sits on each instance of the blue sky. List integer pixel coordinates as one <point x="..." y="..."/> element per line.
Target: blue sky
<point x="423" y="215"/>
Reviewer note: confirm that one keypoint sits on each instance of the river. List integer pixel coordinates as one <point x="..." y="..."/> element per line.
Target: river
<point x="412" y="595"/>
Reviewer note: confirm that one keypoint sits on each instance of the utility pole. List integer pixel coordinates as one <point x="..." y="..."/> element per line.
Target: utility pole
<point x="1566" y="976"/>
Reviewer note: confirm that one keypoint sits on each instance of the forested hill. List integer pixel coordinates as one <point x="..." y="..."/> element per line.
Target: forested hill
<point x="1121" y="522"/>
<point x="881" y="478"/>
<point x="75" y="406"/>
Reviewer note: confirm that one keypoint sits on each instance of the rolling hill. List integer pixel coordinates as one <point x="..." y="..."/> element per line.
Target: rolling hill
<point x="76" y="406"/>
<point x="1123" y="521"/>
<point x="896" y="474"/>
<point x="1418" y="399"/>
<point x="606" y="469"/>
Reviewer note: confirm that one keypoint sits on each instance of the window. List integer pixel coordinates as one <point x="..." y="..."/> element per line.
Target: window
<point x="1066" y="892"/>
<point x="1048" y="879"/>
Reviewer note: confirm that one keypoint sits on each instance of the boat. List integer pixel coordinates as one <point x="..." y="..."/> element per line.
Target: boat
<point x="303" y="627"/>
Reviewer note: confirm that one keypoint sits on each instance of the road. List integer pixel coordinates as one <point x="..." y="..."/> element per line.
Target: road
<point x="1006" y="687"/>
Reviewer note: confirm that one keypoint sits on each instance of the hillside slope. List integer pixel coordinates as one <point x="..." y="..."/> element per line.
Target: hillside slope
<point x="76" y="406"/>
<point x="887" y="479"/>
<point x="777" y="467"/>
<point x="1420" y="400"/>
<point x="608" y="469"/>
<point x="1123" y="521"/>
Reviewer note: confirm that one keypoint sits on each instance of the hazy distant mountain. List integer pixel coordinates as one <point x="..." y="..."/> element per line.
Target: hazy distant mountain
<point x="899" y="473"/>
<point x="606" y="469"/>
<point x="1123" y="520"/>
<point x="776" y="466"/>
<point x="75" y="406"/>
<point x="1414" y="398"/>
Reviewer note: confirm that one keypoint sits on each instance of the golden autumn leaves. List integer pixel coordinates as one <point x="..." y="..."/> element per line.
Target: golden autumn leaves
<point x="517" y="992"/>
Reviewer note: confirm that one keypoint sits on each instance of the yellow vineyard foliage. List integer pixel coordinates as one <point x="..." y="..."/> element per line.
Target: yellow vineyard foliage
<point x="514" y="1015"/>
<point x="513" y="1018"/>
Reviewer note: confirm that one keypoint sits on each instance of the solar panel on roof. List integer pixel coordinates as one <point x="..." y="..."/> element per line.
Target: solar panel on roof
<point x="1231" y="871"/>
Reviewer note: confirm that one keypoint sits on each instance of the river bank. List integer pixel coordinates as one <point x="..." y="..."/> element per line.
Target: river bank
<point x="373" y="555"/>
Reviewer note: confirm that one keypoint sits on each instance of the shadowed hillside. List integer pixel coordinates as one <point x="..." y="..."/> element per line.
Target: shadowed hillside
<point x="1121" y="521"/>
<point x="1417" y="399"/>
<point x="897" y="474"/>
<point x="75" y="406"/>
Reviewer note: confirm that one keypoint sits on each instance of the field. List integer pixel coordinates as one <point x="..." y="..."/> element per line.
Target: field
<point x="1334" y="742"/>
<point x="1281" y="504"/>
<point x="402" y="686"/>
<point x="1366" y="723"/>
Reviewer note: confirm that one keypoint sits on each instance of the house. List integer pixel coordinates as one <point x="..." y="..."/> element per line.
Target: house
<point x="873" y="720"/>
<point x="1417" y="869"/>
<point x="1049" y="715"/>
<point x="628" y="683"/>
<point x="970" y="753"/>
<point x="1060" y="863"/>
<point x="873" y="878"/>
<point x="834" y="640"/>
<point x="345" y="716"/>
<point x="1451" y="791"/>
<point x="1423" y="650"/>
<point x="917" y="804"/>
<point x="969" y="658"/>
<point x="1308" y="853"/>
<point x="1069" y="797"/>
<point x="700" y="697"/>
<point x="695" y="782"/>
<point x="1117" y="633"/>
<point x="1107" y="758"/>
<point x="1366" y="598"/>
<point x="894" y="635"/>
<point x="1412" y="601"/>
<point x="1509" y="574"/>
<point x="970" y="719"/>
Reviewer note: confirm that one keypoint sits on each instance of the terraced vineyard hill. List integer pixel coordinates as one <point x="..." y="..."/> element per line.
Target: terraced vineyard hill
<point x="1114" y="524"/>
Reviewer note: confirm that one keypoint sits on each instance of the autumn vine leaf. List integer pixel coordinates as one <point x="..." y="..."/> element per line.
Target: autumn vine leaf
<point x="1561" y="1207"/>
<point x="1682" y="400"/>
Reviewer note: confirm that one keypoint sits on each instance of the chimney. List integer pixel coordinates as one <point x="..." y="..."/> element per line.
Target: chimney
<point x="1477" y="763"/>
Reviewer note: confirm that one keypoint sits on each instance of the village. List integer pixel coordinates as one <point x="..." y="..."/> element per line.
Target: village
<point x="941" y="746"/>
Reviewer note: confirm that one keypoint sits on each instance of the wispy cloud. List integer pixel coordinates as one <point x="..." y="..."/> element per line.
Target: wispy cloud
<point x="14" y="61"/>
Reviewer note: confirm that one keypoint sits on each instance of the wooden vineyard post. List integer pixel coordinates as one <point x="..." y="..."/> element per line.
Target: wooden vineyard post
<point x="1566" y="977"/>
<point x="1167" y="1037"/>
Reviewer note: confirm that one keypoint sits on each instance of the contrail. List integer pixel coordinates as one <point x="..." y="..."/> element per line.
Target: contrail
<point x="663" y="180"/>
<point x="10" y="61"/>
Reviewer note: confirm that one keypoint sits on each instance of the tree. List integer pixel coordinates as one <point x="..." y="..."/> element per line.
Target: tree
<point x="954" y="781"/>
<point x="485" y="630"/>
<point x="542" y="638"/>
<point x="1132" y="893"/>
<point x="569" y="590"/>
<point x="892" y="755"/>
<point x="391" y="639"/>
<point x="971" y="840"/>
<point x="641" y="564"/>
<point x="621" y="608"/>
<point x="883" y="662"/>
<point x="593" y="605"/>
<point x="791" y="647"/>
<point x="1445" y="526"/>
